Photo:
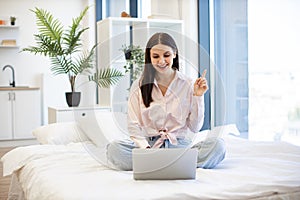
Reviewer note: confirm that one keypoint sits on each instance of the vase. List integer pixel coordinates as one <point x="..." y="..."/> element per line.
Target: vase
<point x="127" y="55"/>
<point x="73" y="98"/>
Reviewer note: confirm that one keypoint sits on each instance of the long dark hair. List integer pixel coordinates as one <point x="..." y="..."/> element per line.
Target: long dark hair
<point x="149" y="71"/>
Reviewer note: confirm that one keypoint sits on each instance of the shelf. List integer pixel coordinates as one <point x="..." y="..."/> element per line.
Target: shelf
<point x="136" y="21"/>
<point x="9" y="47"/>
<point x="140" y="20"/>
<point x="9" y="37"/>
<point x="8" y="26"/>
<point x="9" y="88"/>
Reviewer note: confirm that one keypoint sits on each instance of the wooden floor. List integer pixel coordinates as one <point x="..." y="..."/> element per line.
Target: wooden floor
<point x="4" y="181"/>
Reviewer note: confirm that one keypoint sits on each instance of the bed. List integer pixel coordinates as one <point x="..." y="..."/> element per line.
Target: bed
<point x="67" y="164"/>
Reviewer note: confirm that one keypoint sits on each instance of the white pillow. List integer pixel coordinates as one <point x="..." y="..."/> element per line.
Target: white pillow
<point x="225" y="130"/>
<point x="104" y="127"/>
<point x="218" y="131"/>
<point x="59" y="133"/>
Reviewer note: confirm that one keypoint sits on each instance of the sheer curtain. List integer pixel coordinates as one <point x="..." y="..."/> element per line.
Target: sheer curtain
<point x="231" y="98"/>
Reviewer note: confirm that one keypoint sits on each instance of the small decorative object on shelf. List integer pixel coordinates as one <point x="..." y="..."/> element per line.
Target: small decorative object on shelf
<point x="2" y="22"/>
<point x="124" y="14"/>
<point x="12" y="20"/>
<point x="9" y="43"/>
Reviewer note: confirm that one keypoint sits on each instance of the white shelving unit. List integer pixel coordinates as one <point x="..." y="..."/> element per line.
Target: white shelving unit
<point x="8" y="32"/>
<point x="112" y="33"/>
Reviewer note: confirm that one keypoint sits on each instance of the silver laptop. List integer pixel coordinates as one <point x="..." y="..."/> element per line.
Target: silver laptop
<point x="161" y="164"/>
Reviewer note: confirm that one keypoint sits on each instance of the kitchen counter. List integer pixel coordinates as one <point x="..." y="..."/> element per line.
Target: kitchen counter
<point x="7" y="88"/>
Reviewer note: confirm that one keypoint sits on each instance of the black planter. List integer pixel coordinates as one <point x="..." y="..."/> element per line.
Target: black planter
<point x="12" y="23"/>
<point x="127" y="55"/>
<point x="73" y="98"/>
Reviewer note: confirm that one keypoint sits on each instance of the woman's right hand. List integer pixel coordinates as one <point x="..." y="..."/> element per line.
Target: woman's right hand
<point x="200" y="85"/>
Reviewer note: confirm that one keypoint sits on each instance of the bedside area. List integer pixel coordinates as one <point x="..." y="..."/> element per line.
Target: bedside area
<point x="68" y="114"/>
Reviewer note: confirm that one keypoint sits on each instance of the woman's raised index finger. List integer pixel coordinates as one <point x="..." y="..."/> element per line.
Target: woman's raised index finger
<point x="204" y="73"/>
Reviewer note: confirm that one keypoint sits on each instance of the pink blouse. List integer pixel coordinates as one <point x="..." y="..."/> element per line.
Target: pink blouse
<point x="170" y="116"/>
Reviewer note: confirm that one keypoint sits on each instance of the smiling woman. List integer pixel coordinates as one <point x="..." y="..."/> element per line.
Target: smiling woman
<point x="164" y="106"/>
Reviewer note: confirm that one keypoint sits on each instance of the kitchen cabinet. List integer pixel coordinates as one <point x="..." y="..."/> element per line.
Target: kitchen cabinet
<point x="20" y="113"/>
<point x="112" y="34"/>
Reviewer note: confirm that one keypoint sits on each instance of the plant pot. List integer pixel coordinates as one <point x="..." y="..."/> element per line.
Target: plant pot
<point x="127" y="55"/>
<point x="73" y="98"/>
<point x="12" y="23"/>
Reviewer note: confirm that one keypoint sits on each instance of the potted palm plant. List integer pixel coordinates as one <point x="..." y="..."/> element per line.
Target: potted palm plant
<point x="65" y="49"/>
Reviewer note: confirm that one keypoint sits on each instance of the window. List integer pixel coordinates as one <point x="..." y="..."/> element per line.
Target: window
<point x="231" y="63"/>
<point x="274" y="76"/>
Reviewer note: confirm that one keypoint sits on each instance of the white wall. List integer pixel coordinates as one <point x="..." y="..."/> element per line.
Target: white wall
<point x="28" y="67"/>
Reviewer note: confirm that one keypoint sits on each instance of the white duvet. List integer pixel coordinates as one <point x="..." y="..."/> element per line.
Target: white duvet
<point x="251" y="170"/>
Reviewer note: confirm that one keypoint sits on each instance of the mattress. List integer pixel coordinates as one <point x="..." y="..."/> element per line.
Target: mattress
<point x="251" y="170"/>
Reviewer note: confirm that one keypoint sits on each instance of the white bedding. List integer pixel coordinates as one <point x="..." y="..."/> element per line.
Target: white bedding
<point x="251" y="170"/>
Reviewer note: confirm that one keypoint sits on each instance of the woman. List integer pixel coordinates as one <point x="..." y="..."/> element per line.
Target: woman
<point x="163" y="107"/>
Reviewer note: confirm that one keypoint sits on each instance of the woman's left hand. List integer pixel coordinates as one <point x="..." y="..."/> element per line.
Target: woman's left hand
<point x="200" y="85"/>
